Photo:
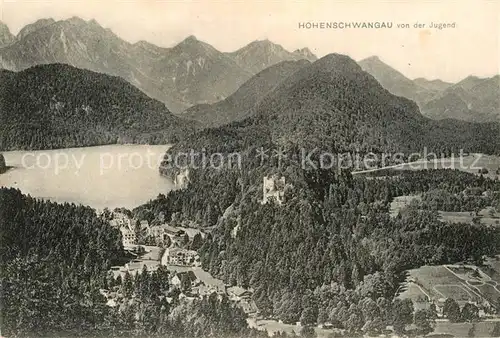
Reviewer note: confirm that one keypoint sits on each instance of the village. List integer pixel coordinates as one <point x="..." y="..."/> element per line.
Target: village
<point x="175" y="250"/>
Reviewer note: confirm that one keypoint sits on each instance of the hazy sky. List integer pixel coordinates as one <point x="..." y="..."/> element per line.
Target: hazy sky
<point x="450" y="54"/>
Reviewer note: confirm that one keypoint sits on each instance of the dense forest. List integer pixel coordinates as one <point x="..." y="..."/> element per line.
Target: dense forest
<point x="54" y="258"/>
<point x="54" y="263"/>
<point x="57" y="106"/>
<point x="331" y="249"/>
<point x="334" y="233"/>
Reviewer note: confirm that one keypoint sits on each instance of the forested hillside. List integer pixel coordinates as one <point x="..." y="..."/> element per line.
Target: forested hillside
<point x="58" y="106"/>
<point x="55" y="261"/>
<point x="238" y="106"/>
<point x="332" y="249"/>
<point x="331" y="252"/>
<point x="333" y="105"/>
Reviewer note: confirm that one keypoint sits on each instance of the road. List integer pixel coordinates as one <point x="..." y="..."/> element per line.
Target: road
<point x="389" y="167"/>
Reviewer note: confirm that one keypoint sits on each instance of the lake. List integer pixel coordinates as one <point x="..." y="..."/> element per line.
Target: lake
<point x="104" y="176"/>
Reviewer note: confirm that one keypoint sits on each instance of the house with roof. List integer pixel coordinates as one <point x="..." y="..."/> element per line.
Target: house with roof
<point x="134" y="267"/>
<point x="186" y="277"/>
<point x="180" y="257"/>
<point x="138" y="265"/>
<point x="161" y="232"/>
<point x="237" y="293"/>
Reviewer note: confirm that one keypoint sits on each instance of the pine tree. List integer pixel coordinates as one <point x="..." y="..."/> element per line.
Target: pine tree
<point x="127" y="285"/>
<point x="197" y="242"/>
<point x="451" y="310"/>
<point x="3" y="165"/>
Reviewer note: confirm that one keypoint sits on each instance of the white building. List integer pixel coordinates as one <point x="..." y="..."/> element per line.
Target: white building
<point x="128" y="236"/>
<point x="180" y="257"/>
<point x="237" y="293"/>
<point x="273" y="188"/>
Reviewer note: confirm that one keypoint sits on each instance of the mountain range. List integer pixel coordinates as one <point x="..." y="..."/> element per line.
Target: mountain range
<point x="192" y="72"/>
<point x="472" y="99"/>
<point x="394" y="81"/>
<point x="259" y="55"/>
<point x="333" y="105"/>
<point x="197" y="82"/>
<point x="60" y="106"/>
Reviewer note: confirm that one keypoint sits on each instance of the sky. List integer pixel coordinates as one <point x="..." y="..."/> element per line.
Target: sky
<point x="450" y="54"/>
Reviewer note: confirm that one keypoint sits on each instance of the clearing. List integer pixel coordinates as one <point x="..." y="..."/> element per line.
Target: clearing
<point x="440" y="282"/>
<point x="467" y="217"/>
<point x="401" y="202"/>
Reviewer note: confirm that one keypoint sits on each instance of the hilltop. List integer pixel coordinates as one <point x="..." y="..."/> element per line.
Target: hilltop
<point x="334" y="105"/>
<point x="59" y="106"/>
<point x="239" y="105"/>
<point x="261" y="54"/>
